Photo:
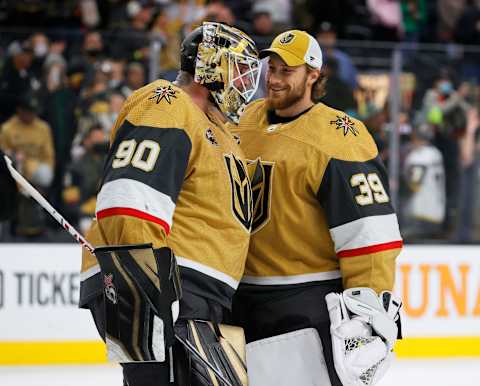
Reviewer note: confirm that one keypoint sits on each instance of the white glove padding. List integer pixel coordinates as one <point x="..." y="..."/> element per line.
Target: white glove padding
<point x="364" y="331"/>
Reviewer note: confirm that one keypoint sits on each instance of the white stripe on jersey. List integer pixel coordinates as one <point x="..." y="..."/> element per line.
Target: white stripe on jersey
<point x="127" y="193"/>
<point x="209" y="271"/>
<point x="293" y="279"/>
<point x="89" y="272"/>
<point x="365" y="232"/>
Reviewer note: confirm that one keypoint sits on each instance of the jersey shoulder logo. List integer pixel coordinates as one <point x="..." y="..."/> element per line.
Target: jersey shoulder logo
<point x="261" y="174"/>
<point x="241" y="190"/>
<point x="345" y="124"/>
<point x="165" y="93"/>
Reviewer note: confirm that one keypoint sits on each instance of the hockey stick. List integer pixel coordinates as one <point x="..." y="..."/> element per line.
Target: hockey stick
<point x="32" y="192"/>
<point x="35" y="194"/>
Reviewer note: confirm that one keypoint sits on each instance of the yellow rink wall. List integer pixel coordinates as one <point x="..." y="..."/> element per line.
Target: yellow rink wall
<point x="40" y="323"/>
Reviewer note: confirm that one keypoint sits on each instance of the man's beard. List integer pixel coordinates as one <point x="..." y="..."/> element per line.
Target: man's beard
<point x="291" y="97"/>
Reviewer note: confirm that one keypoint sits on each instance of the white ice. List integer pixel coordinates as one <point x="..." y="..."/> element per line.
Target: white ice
<point x="445" y="372"/>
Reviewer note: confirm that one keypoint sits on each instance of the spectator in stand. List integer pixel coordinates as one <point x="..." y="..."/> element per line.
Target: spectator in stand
<point x="168" y="32"/>
<point x="132" y="43"/>
<point x="339" y="94"/>
<point x="467" y="31"/>
<point x="448" y="13"/>
<point x="16" y="77"/>
<point x="424" y="174"/>
<point x="414" y="18"/>
<point x="83" y="177"/>
<point x="28" y="141"/>
<point x="469" y="168"/>
<point x="327" y="37"/>
<point x="446" y="108"/>
<point x="263" y="31"/>
<point x="59" y="111"/>
<point x="92" y="53"/>
<point x="134" y="79"/>
<point x="386" y="19"/>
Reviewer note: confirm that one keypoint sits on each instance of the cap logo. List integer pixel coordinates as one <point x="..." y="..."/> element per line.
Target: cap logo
<point x="287" y="38"/>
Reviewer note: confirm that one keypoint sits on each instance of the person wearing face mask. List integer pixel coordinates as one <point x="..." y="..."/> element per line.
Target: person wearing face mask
<point x="446" y="109"/>
<point x="82" y="177"/>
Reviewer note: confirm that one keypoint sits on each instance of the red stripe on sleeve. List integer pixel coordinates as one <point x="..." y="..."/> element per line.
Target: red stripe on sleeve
<point x="370" y="249"/>
<point x="133" y="213"/>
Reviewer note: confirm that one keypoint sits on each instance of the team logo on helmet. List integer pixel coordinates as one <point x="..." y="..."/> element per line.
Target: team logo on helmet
<point x="346" y="125"/>
<point x="287" y="38"/>
<point x="241" y="190"/>
<point x="109" y="288"/>
<point x="164" y="93"/>
<point x="261" y="174"/>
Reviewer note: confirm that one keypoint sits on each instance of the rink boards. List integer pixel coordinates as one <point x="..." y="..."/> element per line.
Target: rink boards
<point x="40" y="322"/>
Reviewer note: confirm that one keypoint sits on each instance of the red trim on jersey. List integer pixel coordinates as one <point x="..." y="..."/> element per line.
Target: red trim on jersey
<point x="371" y="249"/>
<point x="133" y="213"/>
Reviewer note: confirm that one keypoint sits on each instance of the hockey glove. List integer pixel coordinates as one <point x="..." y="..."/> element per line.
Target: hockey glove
<point x="142" y="293"/>
<point x="364" y="330"/>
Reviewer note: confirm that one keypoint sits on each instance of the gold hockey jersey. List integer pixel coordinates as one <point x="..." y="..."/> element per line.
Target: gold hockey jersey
<point x="321" y="203"/>
<point x="174" y="178"/>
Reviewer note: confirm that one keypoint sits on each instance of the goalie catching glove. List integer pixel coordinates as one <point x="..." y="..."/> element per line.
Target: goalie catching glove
<point x="364" y="330"/>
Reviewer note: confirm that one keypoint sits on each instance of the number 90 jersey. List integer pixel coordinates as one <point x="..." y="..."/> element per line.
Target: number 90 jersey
<point x="174" y="178"/>
<point x="321" y="202"/>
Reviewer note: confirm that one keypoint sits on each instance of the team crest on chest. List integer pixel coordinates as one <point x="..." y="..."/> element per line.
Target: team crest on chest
<point x="345" y="124"/>
<point x="261" y="174"/>
<point x="241" y="190"/>
<point x="165" y="93"/>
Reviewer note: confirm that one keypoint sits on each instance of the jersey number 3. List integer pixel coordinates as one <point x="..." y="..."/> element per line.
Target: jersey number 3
<point x="371" y="189"/>
<point x="143" y="157"/>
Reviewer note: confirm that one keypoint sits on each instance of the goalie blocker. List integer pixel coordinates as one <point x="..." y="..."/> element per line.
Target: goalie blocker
<point x="137" y="317"/>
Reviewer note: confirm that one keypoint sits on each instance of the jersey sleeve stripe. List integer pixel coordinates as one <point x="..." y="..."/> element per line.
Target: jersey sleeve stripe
<point x="133" y="213"/>
<point x="366" y="232"/>
<point x="370" y="249"/>
<point x="144" y="201"/>
<point x="209" y="271"/>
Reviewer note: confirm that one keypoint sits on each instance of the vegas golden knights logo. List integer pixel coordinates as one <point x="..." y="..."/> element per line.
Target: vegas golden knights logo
<point x="241" y="190"/>
<point x="261" y="173"/>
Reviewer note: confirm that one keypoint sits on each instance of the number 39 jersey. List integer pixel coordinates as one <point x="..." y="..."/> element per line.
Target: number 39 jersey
<point x="174" y="178"/>
<point x="321" y="201"/>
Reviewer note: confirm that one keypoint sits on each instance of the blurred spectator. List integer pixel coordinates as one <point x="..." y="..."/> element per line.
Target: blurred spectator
<point x="414" y="16"/>
<point x="132" y="43"/>
<point x="448" y="12"/>
<point x="446" y="108"/>
<point x="327" y="38"/>
<point x="469" y="169"/>
<point x="424" y="210"/>
<point x="28" y="140"/>
<point x="82" y="179"/>
<point x="339" y="94"/>
<point x="262" y="28"/>
<point x="280" y="11"/>
<point x="168" y="32"/>
<point x="16" y="77"/>
<point x="386" y="19"/>
<point x="220" y="12"/>
<point x="91" y="53"/>
<point x="467" y="32"/>
<point x="135" y="78"/>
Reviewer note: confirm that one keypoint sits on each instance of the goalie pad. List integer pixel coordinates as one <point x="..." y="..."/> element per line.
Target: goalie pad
<point x="217" y="354"/>
<point x="364" y="331"/>
<point x="142" y="292"/>
<point x="294" y="358"/>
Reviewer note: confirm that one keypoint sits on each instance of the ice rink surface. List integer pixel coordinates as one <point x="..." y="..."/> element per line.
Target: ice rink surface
<point x="445" y="372"/>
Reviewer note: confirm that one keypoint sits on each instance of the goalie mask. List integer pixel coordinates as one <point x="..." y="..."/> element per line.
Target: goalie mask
<point x="226" y="62"/>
